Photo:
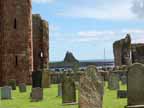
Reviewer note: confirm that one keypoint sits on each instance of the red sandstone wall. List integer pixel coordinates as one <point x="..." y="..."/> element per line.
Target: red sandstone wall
<point x="40" y="42"/>
<point x="16" y="44"/>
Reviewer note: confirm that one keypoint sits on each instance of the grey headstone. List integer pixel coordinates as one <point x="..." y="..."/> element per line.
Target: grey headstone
<point x="37" y="94"/>
<point x="91" y="89"/>
<point x="136" y="84"/>
<point x="121" y="94"/>
<point x="113" y="83"/>
<point x="6" y="92"/>
<point x="22" y="87"/>
<point x="68" y="90"/>
<point x="124" y="79"/>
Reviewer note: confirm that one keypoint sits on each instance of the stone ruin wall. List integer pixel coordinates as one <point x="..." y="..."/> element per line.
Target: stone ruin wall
<point x="137" y="53"/>
<point x="122" y="49"/>
<point x="16" y="54"/>
<point x="40" y="42"/>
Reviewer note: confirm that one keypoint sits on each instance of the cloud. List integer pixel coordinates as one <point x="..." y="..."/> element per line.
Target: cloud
<point x="138" y="8"/>
<point x="86" y="36"/>
<point x="102" y="10"/>
<point x="43" y="1"/>
<point x="89" y="36"/>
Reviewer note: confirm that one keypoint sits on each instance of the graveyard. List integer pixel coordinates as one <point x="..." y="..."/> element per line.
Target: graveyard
<point x="22" y="100"/>
<point x="71" y="54"/>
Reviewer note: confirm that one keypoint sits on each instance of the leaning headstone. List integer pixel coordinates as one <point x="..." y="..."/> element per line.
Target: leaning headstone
<point x="22" y="87"/>
<point x="37" y="79"/>
<point x="37" y="94"/>
<point x="124" y="79"/>
<point x="91" y="89"/>
<point x="6" y="92"/>
<point x="12" y="83"/>
<point x="59" y="90"/>
<point x="113" y="83"/>
<point x="136" y="86"/>
<point x="68" y="90"/>
<point x="121" y="94"/>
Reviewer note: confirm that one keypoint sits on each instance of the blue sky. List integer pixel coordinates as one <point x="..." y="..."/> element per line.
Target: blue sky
<point x="86" y="27"/>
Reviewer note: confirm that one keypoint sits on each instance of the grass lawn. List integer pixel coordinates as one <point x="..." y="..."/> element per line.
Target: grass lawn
<point x="22" y="100"/>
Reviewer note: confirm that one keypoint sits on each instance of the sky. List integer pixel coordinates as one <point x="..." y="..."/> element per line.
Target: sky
<point x="87" y="27"/>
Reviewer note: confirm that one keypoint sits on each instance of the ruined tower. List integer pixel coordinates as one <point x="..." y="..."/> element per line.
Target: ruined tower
<point x="40" y="42"/>
<point x="16" y="54"/>
<point x="122" y="51"/>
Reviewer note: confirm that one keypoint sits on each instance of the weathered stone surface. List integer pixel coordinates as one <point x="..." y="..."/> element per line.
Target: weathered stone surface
<point x="122" y="50"/>
<point x="68" y="90"/>
<point x="37" y="94"/>
<point x="136" y="84"/>
<point x="22" y="87"/>
<point x="59" y="90"/>
<point x="16" y="54"/>
<point x="137" y="53"/>
<point x="40" y="42"/>
<point x="6" y="92"/>
<point x="91" y="89"/>
<point x="37" y="79"/>
<point x="121" y="94"/>
<point x="113" y="83"/>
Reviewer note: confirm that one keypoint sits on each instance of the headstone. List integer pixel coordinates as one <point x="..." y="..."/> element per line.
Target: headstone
<point x="37" y="79"/>
<point x="136" y="85"/>
<point x="113" y="83"/>
<point x="22" y="87"/>
<point x="59" y="90"/>
<point x="124" y="79"/>
<point x="121" y="94"/>
<point x="6" y="92"/>
<point x="37" y="94"/>
<point x="68" y="90"/>
<point x="91" y="89"/>
<point x="12" y="83"/>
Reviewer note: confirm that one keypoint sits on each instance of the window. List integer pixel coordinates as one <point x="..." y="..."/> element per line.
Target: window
<point x="15" y="23"/>
<point x="16" y="60"/>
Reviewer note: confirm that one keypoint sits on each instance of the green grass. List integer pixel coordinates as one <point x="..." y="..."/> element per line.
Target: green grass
<point x="22" y="100"/>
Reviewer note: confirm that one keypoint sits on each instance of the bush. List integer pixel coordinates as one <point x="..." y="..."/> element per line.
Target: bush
<point x="12" y="83"/>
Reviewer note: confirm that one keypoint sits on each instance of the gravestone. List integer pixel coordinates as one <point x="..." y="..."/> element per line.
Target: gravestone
<point x="37" y="94"/>
<point x="124" y="79"/>
<point x="68" y="90"/>
<point x="91" y="89"/>
<point x="59" y="90"/>
<point x="37" y="79"/>
<point x="121" y="94"/>
<point x="136" y="85"/>
<point x="6" y="92"/>
<point x="113" y="83"/>
<point x="22" y="87"/>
